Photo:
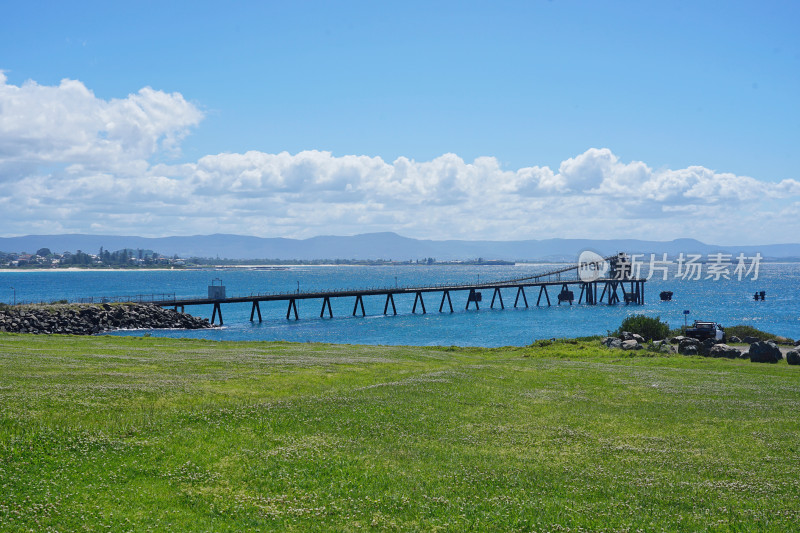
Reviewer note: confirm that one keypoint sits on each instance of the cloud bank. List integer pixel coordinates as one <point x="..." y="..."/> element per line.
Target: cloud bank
<point x="73" y="162"/>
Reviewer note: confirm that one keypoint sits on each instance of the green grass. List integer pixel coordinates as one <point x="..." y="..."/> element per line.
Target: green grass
<point x="120" y="433"/>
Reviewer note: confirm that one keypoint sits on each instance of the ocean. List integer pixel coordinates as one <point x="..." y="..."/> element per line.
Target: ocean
<point x="727" y="301"/>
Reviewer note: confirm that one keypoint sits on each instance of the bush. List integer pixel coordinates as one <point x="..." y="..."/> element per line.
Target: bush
<point x="648" y="327"/>
<point x="590" y="338"/>
<point x="541" y="343"/>
<point x="748" y="331"/>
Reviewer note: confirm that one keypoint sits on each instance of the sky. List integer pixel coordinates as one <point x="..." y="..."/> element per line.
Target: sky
<point x="436" y="120"/>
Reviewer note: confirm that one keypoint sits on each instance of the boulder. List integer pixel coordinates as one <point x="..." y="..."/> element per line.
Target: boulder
<point x="687" y="343"/>
<point x="611" y="342"/>
<point x="797" y="342"/>
<point x="638" y="338"/>
<point x="677" y="340"/>
<point x="662" y="347"/>
<point x="704" y="348"/>
<point x="626" y="336"/>
<point x="750" y="340"/>
<point x="666" y="348"/>
<point x="764" y="352"/>
<point x="688" y="350"/>
<point x="723" y="350"/>
<point x="793" y="357"/>
<point x="631" y="345"/>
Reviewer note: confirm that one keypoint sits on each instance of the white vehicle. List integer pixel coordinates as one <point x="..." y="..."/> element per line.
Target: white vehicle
<point x="706" y="330"/>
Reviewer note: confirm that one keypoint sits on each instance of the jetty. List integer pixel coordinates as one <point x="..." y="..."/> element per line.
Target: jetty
<point x="618" y="286"/>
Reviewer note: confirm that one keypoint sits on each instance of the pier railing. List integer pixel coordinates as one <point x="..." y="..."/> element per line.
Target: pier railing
<point x="137" y="298"/>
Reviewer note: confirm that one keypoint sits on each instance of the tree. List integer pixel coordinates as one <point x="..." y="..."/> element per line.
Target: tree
<point x="44" y="252"/>
<point x="648" y="327"/>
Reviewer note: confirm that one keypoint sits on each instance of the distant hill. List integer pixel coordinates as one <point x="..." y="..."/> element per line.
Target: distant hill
<point x="389" y="246"/>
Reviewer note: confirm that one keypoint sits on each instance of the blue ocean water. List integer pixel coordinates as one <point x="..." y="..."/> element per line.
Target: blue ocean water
<point x="726" y="301"/>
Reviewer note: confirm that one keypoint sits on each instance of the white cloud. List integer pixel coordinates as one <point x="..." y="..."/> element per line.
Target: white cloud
<point x="68" y="124"/>
<point x="72" y="162"/>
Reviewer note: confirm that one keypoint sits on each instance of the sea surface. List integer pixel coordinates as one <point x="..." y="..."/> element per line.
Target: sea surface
<point x="728" y="302"/>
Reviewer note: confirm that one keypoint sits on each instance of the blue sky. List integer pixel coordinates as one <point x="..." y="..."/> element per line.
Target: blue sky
<point x="493" y="120"/>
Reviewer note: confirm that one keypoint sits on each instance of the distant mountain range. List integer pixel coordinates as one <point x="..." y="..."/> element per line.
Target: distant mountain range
<point x="389" y="246"/>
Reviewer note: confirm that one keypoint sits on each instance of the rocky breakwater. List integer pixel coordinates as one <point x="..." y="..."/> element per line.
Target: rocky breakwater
<point x="80" y="319"/>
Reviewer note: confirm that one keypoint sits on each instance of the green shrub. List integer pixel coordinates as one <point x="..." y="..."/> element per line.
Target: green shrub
<point x="748" y="331"/>
<point x="541" y="343"/>
<point x="590" y="338"/>
<point x="648" y="327"/>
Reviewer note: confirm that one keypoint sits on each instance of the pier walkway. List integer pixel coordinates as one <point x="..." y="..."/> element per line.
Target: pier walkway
<point x="564" y="282"/>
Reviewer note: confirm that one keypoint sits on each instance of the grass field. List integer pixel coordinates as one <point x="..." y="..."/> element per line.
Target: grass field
<point x="149" y="434"/>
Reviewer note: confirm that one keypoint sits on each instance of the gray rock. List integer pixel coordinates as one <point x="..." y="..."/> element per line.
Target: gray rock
<point x="638" y="338"/>
<point x="723" y="350"/>
<point x="631" y="345"/>
<point x="688" y="350"/>
<point x="667" y="348"/>
<point x="626" y="336"/>
<point x="793" y="357"/>
<point x="662" y="346"/>
<point x="611" y="342"/>
<point x="677" y="340"/>
<point x="764" y="352"/>
<point x="750" y="340"/>
<point x="704" y="348"/>
<point x="734" y="339"/>
<point x="687" y="343"/>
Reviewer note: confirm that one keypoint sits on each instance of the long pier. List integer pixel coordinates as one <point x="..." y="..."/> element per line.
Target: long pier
<point x="590" y="292"/>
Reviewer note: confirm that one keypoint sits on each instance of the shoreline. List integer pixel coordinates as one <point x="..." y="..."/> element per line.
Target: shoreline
<point x="212" y="268"/>
<point x="73" y="269"/>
